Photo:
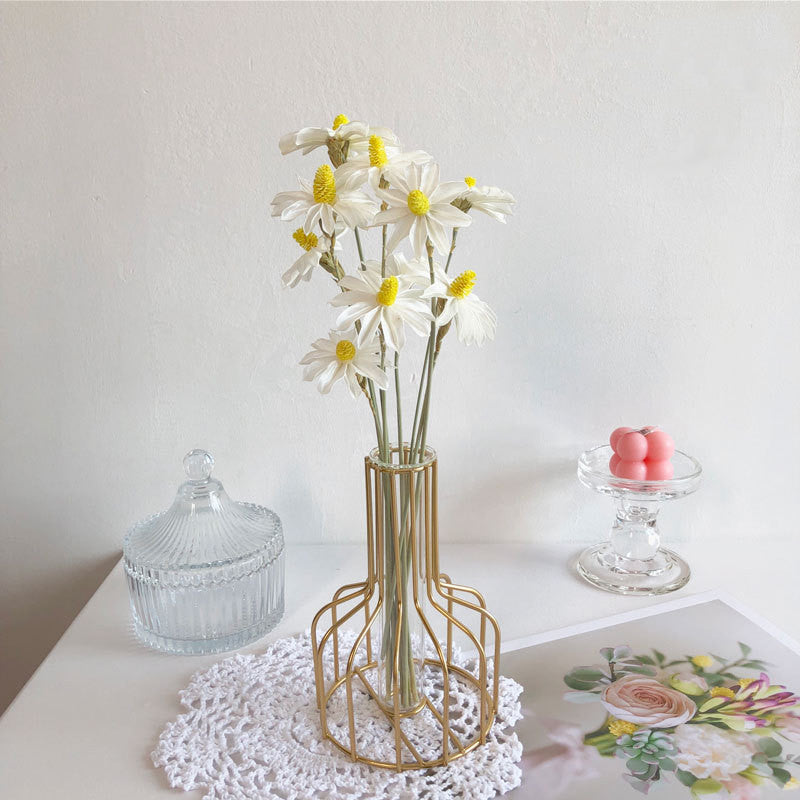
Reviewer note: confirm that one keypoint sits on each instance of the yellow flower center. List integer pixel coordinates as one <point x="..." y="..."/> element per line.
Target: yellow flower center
<point x="345" y="350"/>
<point x="418" y="203"/>
<point x="745" y="682"/>
<point x="387" y="294"/>
<point x="462" y="285"/>
<point x="470" y="181"/>
<point x="340" y="120"/>
<point x="324" y="186"/>
<point x="721" y="691"/>
<point x="377" y="152"/>
<point x="702" y="661"/>
<point x="308" y="241"/>
<point x="619" y="727"/>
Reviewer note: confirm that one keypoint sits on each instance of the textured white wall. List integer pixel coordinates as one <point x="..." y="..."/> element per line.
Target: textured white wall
<point x="650" y="274"/>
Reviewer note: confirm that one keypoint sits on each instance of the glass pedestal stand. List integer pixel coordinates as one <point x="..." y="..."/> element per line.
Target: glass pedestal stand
<point x="632" y="561"/>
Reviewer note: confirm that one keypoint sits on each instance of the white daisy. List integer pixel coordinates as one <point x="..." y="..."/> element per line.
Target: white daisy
<point x="354" y="134"/>
<point x="381" y="160"/>
<point x="388" y="303"/>
<point x="475" y="321"/>
<point x="420" y="207"/>
<point x="304" y="266"/>
<point x="327" y="198"/>
<point x="339" y="356"/>
<point x="308" y="139"/>
<point x="495" y="202"/>
<point x="359" y="145"/>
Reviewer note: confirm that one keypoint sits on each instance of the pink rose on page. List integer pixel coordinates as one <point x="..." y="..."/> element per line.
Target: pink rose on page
<point x="644" y="701"/>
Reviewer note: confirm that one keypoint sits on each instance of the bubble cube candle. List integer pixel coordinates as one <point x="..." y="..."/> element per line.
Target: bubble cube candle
<point x="641" y="455"/>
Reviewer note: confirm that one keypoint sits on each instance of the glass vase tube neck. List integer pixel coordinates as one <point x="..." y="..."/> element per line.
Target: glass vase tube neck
<point x="400" y="458"/>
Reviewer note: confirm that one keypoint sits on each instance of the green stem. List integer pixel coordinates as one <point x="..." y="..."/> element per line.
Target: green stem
<point x="452" y="249"/>
<point x="401" y="452"/>
<point x="360" y="251"/>
<point x="374" y="409"/>
<point x="418" y="404"/>
<point x="386" y="455"/>
<point x="431" y="343"/>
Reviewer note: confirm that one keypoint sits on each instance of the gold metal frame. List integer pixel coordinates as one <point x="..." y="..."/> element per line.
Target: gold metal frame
<point x="440" y="593"/>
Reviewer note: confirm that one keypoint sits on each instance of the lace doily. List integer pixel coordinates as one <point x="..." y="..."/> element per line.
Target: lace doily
<point x="251" y="732"/>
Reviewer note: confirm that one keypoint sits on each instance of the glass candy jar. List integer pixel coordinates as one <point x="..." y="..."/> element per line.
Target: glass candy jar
<point x="206" y="575"/>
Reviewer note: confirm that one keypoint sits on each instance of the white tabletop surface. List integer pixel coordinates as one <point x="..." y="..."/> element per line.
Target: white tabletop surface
<point x="85" y="724"/>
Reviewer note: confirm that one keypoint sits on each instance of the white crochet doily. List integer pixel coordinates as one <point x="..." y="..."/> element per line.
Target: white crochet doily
<point x="251" y="732"/>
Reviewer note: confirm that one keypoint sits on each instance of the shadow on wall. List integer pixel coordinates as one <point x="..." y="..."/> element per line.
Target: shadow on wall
<point x="34" y="626"/>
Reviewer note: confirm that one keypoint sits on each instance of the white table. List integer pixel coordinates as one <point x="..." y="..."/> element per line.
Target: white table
<point x="85" y="724"/>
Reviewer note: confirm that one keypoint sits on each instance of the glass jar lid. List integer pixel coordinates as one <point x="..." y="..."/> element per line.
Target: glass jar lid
<point x="203" y="527"/>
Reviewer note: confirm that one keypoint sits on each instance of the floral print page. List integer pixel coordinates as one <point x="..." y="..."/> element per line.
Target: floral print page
<point x="699" y="702"/>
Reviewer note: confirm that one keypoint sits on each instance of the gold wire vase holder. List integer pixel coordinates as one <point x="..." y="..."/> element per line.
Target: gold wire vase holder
<point x="388" y="648"/>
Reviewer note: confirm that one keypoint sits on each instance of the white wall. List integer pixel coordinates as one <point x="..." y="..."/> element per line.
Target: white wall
<point x="650" y="274"/>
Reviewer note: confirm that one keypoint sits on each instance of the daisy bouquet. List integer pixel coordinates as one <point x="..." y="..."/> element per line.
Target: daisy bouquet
<point x="716" y="725"/>
<point x="370" y="188"/>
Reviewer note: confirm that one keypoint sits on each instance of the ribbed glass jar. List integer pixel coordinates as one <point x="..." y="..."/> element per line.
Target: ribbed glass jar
<point x="207" y="575"/>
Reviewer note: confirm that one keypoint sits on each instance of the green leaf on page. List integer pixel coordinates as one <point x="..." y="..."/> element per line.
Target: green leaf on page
<point x="706" y="786"/>
<point x="781" y="776"/>
<point x="770" y="747"/>
<point x="686" y="778"/>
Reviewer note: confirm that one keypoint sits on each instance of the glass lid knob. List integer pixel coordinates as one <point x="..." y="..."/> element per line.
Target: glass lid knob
<point x="198" y="465"/>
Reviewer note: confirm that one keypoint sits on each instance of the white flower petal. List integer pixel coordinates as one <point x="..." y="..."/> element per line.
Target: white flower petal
<point x="288" y="143"/>
<point x="448" y="312"/>
<point x="312" y="138"/>
<point x="450" y="215"/>
<point x="369" y="326"/>
<point x="328" y="222"/>
<point x="389" y="216"/>
<point x="438" y="235"/>
<point x="393" y="334"/>
<point x="429" y="179"/>
<point x="332" y="373"/>
<point x="314" y="369"/>
<point x="418" y="322"/>
<point x="399" y="232"/>
<point x="399" y="183"/>
<point x="447" y="192"/>
<point x="352" y="380"/>
<point x="419" y="236"/>
<point x="283" y="199"/>
<point x="394" y="197"/>
<point x="311" y="217"/>
<point x="371" y="370"/>
<point x="351" y="314"/>
<point x="436" y="289"/>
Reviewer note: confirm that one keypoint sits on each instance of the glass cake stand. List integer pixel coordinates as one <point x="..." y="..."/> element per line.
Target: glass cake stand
<point x="632" y="561"/>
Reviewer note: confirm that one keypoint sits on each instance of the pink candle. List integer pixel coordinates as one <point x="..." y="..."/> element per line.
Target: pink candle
<point x="641" y="454"/>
